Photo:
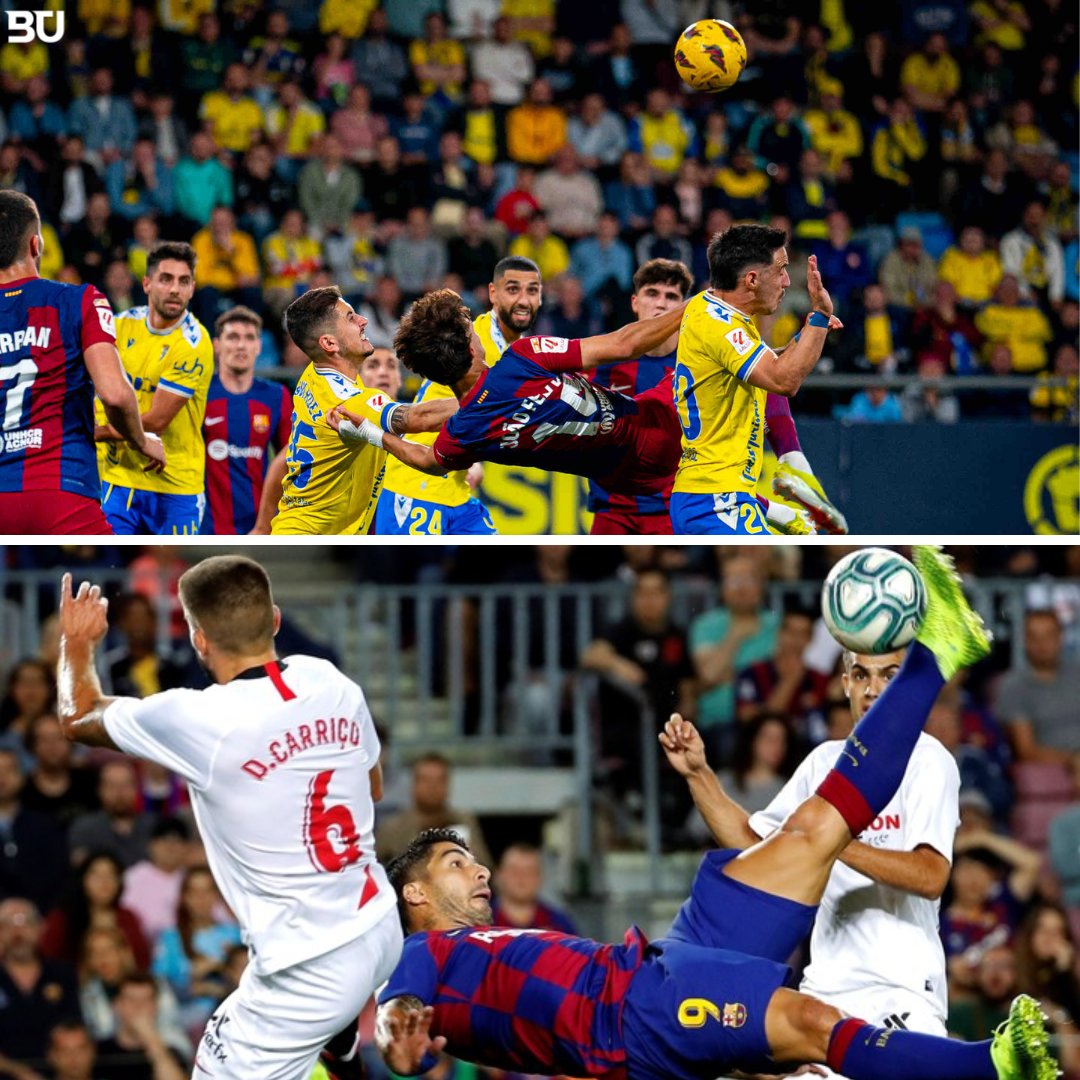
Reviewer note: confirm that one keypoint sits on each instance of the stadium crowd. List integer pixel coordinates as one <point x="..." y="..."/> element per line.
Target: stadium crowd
<point x="114" y="943"/>
<point x="925" y="152"/>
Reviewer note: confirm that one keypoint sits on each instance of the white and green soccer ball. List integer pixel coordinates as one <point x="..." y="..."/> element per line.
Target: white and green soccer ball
<point x="873" y="601"/>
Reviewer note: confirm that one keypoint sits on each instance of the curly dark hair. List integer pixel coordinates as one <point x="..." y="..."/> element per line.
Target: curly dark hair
<point x="435" y="336"/>
<point x="411" y="864"/>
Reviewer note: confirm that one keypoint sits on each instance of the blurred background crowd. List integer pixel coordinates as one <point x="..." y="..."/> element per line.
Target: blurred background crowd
<point x="112" y="934"/>
<point x="925" y="151"/>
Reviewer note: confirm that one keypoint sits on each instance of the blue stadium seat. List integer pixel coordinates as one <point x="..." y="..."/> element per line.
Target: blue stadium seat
<point x="1072" y="159"/>
<point x="936" y="234"/>
<point x="878" y="240"/>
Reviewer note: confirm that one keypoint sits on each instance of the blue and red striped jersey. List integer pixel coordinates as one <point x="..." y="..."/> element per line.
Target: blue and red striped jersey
<point x="535" y="408"/>
<point x="239" y="430"/>
<point x="526" y="1000"/>
<point x="46" y="393"/>
<point x="631" y="377"/>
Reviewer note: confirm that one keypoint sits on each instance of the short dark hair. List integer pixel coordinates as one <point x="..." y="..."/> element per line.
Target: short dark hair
<point x="734" y="252"/>
<point x="664" y="272"/>
<point x="513" y="262"/>
<point x="434" y="338"/>
<point x="170" y="249"/>
<point x="18" y="215"/>
<point x="308" y="315"/>
<point x="238" y="314"/>
<point x="229" y="599"/>
<point x="411" y="864"/>
<point x="139" y="978"/>
<point x="431" y="757"/>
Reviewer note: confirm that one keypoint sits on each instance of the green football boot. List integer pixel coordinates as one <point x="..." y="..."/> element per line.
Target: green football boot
<point x="1020" y="1049"/>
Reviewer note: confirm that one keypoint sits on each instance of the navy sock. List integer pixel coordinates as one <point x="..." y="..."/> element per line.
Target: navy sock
<point x="863" y="1052"/>
<point x="875" y="757"/>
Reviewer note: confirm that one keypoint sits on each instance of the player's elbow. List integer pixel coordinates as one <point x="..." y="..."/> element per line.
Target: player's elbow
<point x="115" y="395"/>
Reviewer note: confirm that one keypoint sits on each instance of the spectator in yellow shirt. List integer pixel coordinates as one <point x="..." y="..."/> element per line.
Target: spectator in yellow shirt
<point x="290" y="257"/>
<point x="834" y="132"/>
<point x="1001" y="22"/>
<point x="970" y="269"/>
<point x="227" y="267"/>
<point x="349" y="18"/>
<point x="1023" y="327"/>
<point x="895" y="152"/>
<point x="1058" y="403"/>
<point x="293" y="122"/>
<point x="107" y="18"/>
<point x="182" y="16"/>
<point x="230" y="114"/>
<point x="536" y="128"/>
<point x="532" y="22"/>
<point x="438" y="61"/>
<point x="20" y="63"/>
<point x="539" y="244"/>
<point x="930" y="77"/>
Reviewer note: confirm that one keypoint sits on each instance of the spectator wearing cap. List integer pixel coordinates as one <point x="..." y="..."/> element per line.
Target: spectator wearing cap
<point x="835" y="133"/>
<point x="152" y="885"/>
<point x="971" y="269"/>
<point x="539" y="244"/>
<point x="908" y="274"/>
<point x="1022" y="326"/>
<point x="1032" y="254"/>
<point x="1037" y="700"/>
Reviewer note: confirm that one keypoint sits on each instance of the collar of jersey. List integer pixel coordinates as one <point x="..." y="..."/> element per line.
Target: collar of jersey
<point x="334" y="371"/>
<point x="161" y="333"/>
<point x="477" y="386"/>
<point x="259" y="671"/>
<point x="20" y="281"/>
<point x="710" y="299"/>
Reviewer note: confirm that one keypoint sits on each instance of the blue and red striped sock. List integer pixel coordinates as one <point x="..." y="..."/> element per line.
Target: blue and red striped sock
<point x="875" y="757"/>
<point x="860" y="1051"/>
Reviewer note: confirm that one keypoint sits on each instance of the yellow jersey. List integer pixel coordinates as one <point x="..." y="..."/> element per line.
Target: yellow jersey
<point x="331" y="486"/>
<point x="722" y="415"/>
<point x="175" y="361"/>
<point x="452" y="488"/>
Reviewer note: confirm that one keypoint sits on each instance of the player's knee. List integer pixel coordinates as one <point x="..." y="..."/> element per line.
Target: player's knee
<point x="813" y="1022"/>
<point x="809" y="819"/>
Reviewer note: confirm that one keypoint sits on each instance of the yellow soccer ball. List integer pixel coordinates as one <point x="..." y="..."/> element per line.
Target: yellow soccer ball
<point x="710" y="55"/>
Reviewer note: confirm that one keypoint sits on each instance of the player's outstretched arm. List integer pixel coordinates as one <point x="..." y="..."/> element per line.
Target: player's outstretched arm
<point x="785" y="375"/>
<point x="728" y="822"/>
<point x="273" y="487"/>
<point x="356" y="429"/>
<point x="81" y="703"/>
<point x="425" y="417"/>
<point x="121" y="406"/>
<point x="631" y="341"/>
<point x="403" y="1035"/>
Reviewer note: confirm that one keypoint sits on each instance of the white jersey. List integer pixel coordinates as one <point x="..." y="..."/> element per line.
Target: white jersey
<point x="870" y="937"/>
<point x="277" y="761"/>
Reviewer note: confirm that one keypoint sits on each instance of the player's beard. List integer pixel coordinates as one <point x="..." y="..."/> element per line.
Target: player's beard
<point x="506" y="317"/>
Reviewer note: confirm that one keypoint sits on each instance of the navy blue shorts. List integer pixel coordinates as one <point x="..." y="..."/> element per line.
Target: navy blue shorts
<point x="697" y="1005"/>
<point x="727" y="914"/>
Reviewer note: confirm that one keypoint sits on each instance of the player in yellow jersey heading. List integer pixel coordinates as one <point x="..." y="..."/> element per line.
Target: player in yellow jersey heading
<point x="331" y="486"/>
<point x="724" y="372"/>
<point x="413" y="503"/>
<point x="168" y="357"/>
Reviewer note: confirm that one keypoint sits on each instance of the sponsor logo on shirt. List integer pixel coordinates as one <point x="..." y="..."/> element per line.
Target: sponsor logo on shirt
<point x="552" y="344"/>
<point x="14" y="441"/>
<point x="739" y="340"/>
<point x="219" y="450"/>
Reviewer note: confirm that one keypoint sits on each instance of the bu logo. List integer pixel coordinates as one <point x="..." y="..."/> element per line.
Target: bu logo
<point x="27" y="26"/>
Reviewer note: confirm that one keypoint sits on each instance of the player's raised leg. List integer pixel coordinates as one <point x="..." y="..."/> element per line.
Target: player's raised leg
<point x="794" y="863"/>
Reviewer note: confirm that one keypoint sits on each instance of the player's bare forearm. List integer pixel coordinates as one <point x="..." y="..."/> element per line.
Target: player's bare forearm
<point x="421" y="458"/>
<point x="923" y="872"/>
<point x="273" y="487"/>
<point x="107" y="433"/>
<point x="785" y="376"/>
<point x="425" y="417"/>
<point x="631" y="341"/>
<point x="81" y="703"/>
<point x="727" y="821"/>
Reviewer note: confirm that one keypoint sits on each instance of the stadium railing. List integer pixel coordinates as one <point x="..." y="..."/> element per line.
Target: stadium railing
<point x="487" y="674"/>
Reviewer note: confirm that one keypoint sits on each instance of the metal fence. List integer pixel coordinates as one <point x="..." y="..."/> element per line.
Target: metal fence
<point x="488" y="673"/>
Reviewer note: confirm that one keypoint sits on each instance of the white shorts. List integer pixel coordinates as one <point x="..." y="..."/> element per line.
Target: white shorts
<point x="887" y="1008"/>
<point x="273" y="1026"/>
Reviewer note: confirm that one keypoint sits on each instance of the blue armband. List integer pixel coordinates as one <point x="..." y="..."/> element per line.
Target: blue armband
<point x="387" y="415"/>
<point x="818" y="318"/>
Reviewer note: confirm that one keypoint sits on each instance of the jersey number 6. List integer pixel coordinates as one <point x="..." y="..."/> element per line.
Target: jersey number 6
<point x="329" y="831"/>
